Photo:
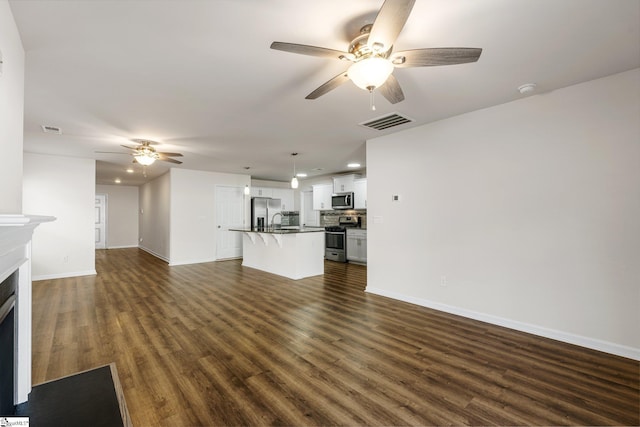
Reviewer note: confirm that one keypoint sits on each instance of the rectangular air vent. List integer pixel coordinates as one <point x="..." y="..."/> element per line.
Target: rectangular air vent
<point x="386" y="122"/>
<point x="51" y="129"/>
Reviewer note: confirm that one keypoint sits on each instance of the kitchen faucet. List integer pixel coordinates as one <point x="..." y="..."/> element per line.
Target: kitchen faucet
<point x="273" y="218"/>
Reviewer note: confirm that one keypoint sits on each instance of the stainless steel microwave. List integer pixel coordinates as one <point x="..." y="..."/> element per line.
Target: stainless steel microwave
<point x="342" y="201"/>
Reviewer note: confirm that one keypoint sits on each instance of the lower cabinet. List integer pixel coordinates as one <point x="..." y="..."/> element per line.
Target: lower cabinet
<point x="357" y="245"/>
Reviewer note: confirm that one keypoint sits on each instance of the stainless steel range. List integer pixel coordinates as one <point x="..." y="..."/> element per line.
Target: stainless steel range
<point x="335" y="238"/>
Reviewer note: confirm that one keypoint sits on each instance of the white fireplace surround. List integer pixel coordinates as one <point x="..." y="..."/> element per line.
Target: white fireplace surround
<point x="16" y="232"/>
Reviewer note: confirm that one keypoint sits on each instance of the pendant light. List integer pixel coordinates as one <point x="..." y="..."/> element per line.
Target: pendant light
<point x="294" y="180"/>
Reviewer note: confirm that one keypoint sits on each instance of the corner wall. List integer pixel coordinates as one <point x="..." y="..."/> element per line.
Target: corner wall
<point x="524" y="214"/>
<point x="154" y="221"/>
<point x="194" y="232"/>
<point x="63" y="187"/>
<point x="11" y="112"/>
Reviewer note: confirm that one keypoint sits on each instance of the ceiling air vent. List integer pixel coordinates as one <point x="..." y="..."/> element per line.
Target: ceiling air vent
<point x="51" y="129"/>
<point x="386" y="122"/>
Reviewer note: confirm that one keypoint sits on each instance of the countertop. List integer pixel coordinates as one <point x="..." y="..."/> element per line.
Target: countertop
<point x="270" y="230"/>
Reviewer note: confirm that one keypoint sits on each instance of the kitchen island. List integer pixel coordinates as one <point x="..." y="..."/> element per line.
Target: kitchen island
<point x="292" y="253"/>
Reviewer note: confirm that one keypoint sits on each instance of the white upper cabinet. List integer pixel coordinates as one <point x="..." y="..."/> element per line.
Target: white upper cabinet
<point x="344" y="183"/>
<point x="261" y="192"/>
<point x="360" y="193"/>
<point x="322" y="197"/>
<point x="286" y="196"/>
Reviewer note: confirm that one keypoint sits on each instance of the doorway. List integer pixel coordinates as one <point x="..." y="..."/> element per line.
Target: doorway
<point x="101" y="221"/>
<point x="230" y="213"/>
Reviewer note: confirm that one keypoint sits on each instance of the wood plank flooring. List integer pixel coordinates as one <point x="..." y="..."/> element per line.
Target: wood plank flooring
<point x="218" y="344"/>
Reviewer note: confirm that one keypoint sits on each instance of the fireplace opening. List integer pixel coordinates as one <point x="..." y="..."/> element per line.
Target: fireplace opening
<point x="7" y="344"/>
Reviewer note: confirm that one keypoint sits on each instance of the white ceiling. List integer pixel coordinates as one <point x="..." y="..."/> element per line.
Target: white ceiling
<point x="198" y="76"/>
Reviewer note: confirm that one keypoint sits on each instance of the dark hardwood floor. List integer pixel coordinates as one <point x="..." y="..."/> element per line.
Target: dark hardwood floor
<point x="217" y="344"/>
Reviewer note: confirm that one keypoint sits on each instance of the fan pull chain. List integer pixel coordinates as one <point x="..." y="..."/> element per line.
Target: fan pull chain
<point x="372" y="104"/>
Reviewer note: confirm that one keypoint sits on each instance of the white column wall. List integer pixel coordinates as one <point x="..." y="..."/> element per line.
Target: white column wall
<point x="154" y="219"/>
<point x="524" y="214"/>
<point x="63" y="187"/>
<point x="11" y="112"/>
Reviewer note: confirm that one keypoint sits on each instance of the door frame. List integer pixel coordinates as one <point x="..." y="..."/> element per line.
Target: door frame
<point x="105" y="197"/>
<point x="241" y="223"/>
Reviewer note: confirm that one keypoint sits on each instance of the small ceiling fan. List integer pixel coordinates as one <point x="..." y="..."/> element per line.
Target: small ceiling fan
<point x="145" y="154"/>
<point x="372" y="57"/>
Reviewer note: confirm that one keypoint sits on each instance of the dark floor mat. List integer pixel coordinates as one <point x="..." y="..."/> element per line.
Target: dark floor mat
<point x="85" y="399"/>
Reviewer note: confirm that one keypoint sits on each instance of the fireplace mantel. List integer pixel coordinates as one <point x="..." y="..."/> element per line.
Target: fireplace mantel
<point x="16" y="232"/>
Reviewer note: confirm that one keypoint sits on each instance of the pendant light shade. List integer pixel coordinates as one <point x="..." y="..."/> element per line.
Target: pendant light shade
<point x="294" y="180"/>
<point x="247" y="190"/>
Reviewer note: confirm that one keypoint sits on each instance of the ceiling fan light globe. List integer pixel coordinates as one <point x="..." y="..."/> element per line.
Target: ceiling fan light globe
<point x="144" y="159"/>
<point x="370" y="72"/>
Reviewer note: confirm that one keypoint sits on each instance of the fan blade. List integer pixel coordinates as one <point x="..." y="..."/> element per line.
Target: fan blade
<point x="303" y="49"/>
<point x="391" y="90"/>
<point x="330" y="85"/>
<point x="130" y="148"/>
<point x="171" y="154"/>
<point x="169" y="159"/>
<point x="435" y="56"/>
<point x="390" y="20"/>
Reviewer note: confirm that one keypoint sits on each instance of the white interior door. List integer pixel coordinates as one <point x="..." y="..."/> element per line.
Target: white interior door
<point x="229" y="214"/>
<point x="101" y="221"/>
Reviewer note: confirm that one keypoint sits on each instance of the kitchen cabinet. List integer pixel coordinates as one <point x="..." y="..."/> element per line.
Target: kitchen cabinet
<point x="286" y="196"/>
<point x="261" y="192"/>
<point x="357" y="245"/>
<point x="344" y="183"/>
<point x="360" y="194"/>
<point x="322" y="197"/>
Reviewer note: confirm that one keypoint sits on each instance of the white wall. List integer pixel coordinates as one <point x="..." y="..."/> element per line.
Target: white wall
<point x="529" y="210"/>
<point x="154" y="223"/>
<point x="63" y="187"/>
<point x="11" y="112"/>
<point x="193" y="213"/>
<point x="122" y="215"/>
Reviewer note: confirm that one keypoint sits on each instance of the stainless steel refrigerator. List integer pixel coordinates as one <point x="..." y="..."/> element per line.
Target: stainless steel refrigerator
<point x="263" y="210"/>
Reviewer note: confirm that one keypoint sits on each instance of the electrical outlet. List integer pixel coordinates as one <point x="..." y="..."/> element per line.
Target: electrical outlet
<point x="443" y="280"/>
<point x="65" y="259"/>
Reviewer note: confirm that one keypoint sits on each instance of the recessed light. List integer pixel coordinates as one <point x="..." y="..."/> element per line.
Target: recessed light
<point x="301" y="174"/>
<point x="129" y="170"/>
<point x="117" y="181"/>
<point x="317" y="169"/>
<point x="353" y="165"/>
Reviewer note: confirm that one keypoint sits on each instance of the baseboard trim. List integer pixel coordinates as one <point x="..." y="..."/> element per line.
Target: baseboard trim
<point x="64" y="275"/>
<point x="582" y="341"/>
<point x="190" y="261"/>
<point x="150" y="252"/>
<point x="122" y="247"/>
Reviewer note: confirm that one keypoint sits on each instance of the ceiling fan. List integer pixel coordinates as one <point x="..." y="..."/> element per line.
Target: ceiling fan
<point x="372" y="57"/>
<point x="145" y="154"/>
